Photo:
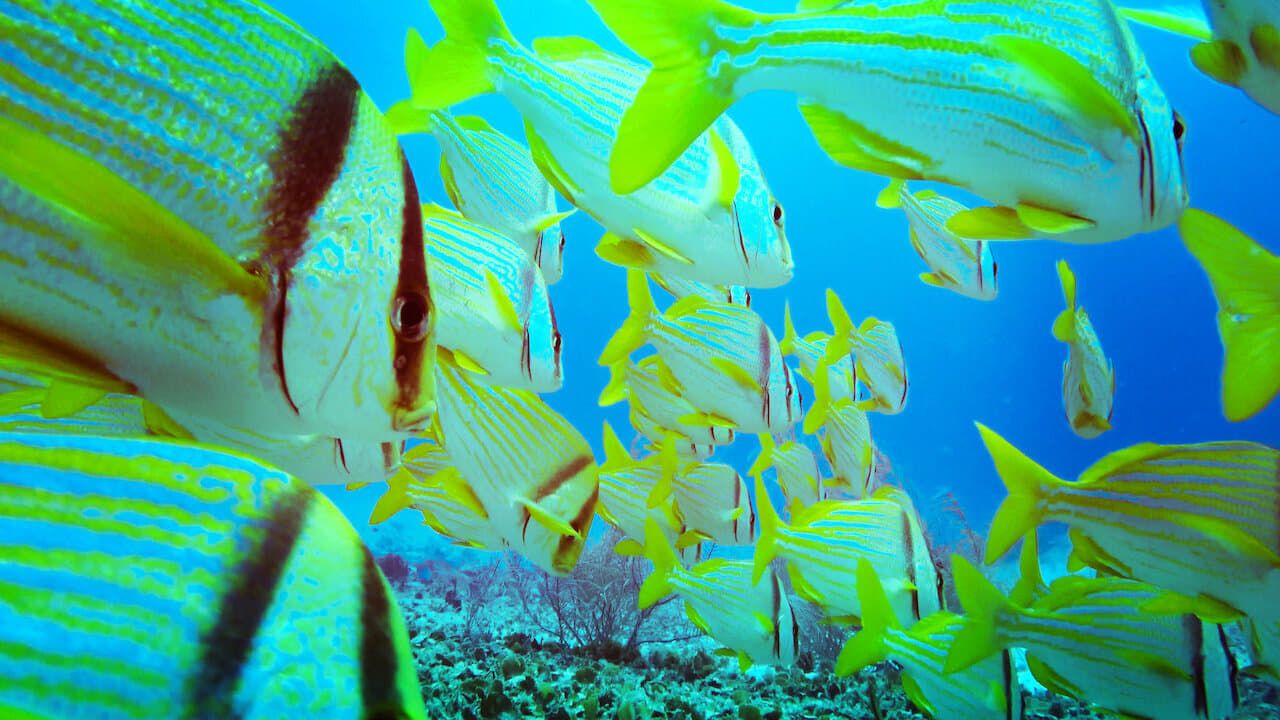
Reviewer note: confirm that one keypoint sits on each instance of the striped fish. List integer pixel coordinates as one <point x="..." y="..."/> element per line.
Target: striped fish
<point x="195" y="232"/>
<point x="493" y="312"/>
<point x="824" y="543"/>
<point x="987" y="690"/>
<point x="1088" y="377"/>
<point x="660" y="437"/>
<point x="1093" y="639"/>
<point x="711" y="218"/>
<point x="1246" y="283"/>
<point x="715" y="503"/>
<point x="428" y="483"/>
<point x="492" y="180"/>
<point x="1239" y="42"/>
<point x="1199" y="520"/>
<point x="141" y="578"/>
<point x="649" y="386"/>
<point x="724" y="356"/>
<point x="846" y="443"/>
<point x="628" y="500"/>
<point x="838" y="382"/>
<point x="532" y="471"/>
<point x="751" y="618"/>
<point x="799" y="476"/>
<point x="1047" y="109"/>
<point x="956" y="263"/>
<point x="682" y="287"/>
<point x="879" y="364"/>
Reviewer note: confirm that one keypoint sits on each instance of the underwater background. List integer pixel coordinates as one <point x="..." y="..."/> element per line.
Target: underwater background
<point x="994" y="362"/>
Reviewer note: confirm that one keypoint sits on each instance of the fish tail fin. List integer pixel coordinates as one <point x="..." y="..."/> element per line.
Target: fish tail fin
<point x="867" y="646"/>
<point x="1064" y="327"/>
<point x="767" y="539"/>
<point x="669" y="463"/>
<point x="395" y="499"/>
<point x="842" y="328"/>
<point x="1246" y="282"/>
<point x="1027" y="483"/>
<point x="984" y="605"/>
<point x="663" y="556"/>
<point x="457" y="67"/>
<point x="630" y="336"/>
<point x="615" y="453"/>
<point x="679" y="38"/>
<point x="616" y="390"/>
<point x="1029" y="577"/>
<point x="817" y="414"/>
<point x="406" y="119"/>
<point x="787" y="346"/>
<point x="765" y="459"/>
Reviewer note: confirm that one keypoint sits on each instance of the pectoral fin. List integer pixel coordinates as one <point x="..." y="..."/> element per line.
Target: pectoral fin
<point x="735" y="372"/>
<point x="64" y="399"/>
<point x="662" y="247"/>
<point x="729" y="176"/>
<point x="989" y="223"/>
<point x="854" y="145"/>
<point x="623" y="251"/>
<point x="1221" y="60"/>
<point x="1051" y="222"/>
<point x="545" y="518"/>
<point x="1265" y="40"/>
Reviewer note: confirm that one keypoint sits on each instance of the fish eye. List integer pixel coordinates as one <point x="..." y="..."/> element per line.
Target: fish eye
<point x="561" y="241"/>
<point x="410" y="315"/>
<point x="1179" y="130"/>
<point x="995" y="269"/>
<point x="777" y="214"/>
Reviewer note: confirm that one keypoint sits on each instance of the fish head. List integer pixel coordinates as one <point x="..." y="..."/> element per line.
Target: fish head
<point x="786" y="389"/>
<point x="987" y="287"/>
<point x="542" y="341"/>
<point x="356" y="325"/>
<point x="758" y="220"/>
<point x="550" y="254"/>
<point x="1162" y="178"/>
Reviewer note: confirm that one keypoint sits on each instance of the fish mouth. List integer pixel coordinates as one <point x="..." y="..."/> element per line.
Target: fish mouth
<point x="417" y="419"/>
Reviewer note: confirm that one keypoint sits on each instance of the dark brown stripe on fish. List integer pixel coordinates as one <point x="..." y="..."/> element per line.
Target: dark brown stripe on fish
<point x="410" y="354"/>
<point x="909" y="554"/>
<point x="226" y="645"/>
<point x="773" y="615"/>
<point x="561" y="476"/>
<point x="341" y="453"/>
<point x="379" y="662"/>
<point x="1151" y="167"/>
<point x="570" y="548"/>
<point x="308" y="159"/>
<point x="1006" y="675"/>
<point x="764" y="344"/>
<point x="1233" y="668"/>
<point x="737" y="502"/>
<point x="1195" y="639"/>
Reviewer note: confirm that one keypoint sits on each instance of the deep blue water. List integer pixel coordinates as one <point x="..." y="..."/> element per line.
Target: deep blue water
<point x="968" y="360"/>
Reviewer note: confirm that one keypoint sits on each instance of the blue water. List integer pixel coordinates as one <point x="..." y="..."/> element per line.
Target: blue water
<point x="968" y="360"/>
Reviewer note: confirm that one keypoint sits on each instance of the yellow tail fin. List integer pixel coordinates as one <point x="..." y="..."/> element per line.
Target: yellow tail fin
<point x="767" y="541"/>
<point x="616" y="456"/>
<point x="842" y="329"/>
<point x="456" y="68"/>
<point x="395" y="499"/>
<point x="765" y="460"/>
<point x="1026" y="482"/>
<point x="631" y="335"/>
<point x="1064" y="326"/>
<point x="867" y="646"/>
<point x="787" y="346"/>
<point x="679" y="38"/>
<point x="616" y="390"/>
<point x="984" y="605"/>
<point x="663" y="557"/>
<point x="1246" y="283"/>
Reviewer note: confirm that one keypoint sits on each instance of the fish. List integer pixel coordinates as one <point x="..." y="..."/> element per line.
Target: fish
<point x="1093" y="640"/>
<point x="824" y="543"/>
<point x="144" y="215"/>
<point x="987" y="690"/>
<point x="751" y="618"/>
<point x="964" y="266"/>
<point x="493" y="313"/>
<point x="150" y="578"/>
<point x="838" y="382"/>
<point x="682" y="287"/>
<point x="631" y="493"/>
<point x="1046" y="109"/>
<point x="661" y="438"/>
<point x="715" y="503"/>
<point x="846" y="443"/>
<point x="1238" y="42"/>
<point x="428" y="483"/>
<point x="879" y="363"/>
<point x="1197" y="520"/>
<point x="799" y="476"/>
<point x="532" y="471"/>
<point x="712" y="218"/>
<point x="656" y="395"/>
<point x="1088" y="376"/>
<point x="724" y="356"/>
<point x="492" y="180"/>
<point x="1246" y="284"/>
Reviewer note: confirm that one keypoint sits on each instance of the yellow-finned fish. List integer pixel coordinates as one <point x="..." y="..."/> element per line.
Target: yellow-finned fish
<point x="628" y="499"/>
<point x="428" y="483"/>
<point x="710" y="218"/>
<point x="655" y="393"/>
<point x="879" y="363"/>
<point x="1239" y="42"/>
<point x="680" y="287"/>
<point x="956" y="263"/>
<point x="831" y="382"/>
<point x="846" y="443"/>
<point x="1095" y="640"/>
<point x="146" y="578"/>
<point x="1198" y="520"/>
<point x="799" y="476"/>
<point x="824" y="542"/>
<point x="715" y="503"/>
<point x="987" y="690"/>
<point x="492" y="180"/>
<point x="751" y="618"/>
<point x="1046" y="108"/>
<point x="247" y="247"/>
<point x="1088" y="377"/>
<point x="493" y="313"/>
<point x="661" y="437"/>
<point x="532" y="471"/>
<point x="724" y="356"/>
<point x="1246" y="283"/>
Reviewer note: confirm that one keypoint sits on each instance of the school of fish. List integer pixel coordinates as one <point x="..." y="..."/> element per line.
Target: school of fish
<point x="218" y="289"/>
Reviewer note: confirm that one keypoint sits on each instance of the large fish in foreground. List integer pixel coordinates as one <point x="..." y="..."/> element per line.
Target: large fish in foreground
<point x="151" y="579"/>
<point x="711" y="218"/>
<point x="244" y="244"/>
<point x="1046" y="109"/>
